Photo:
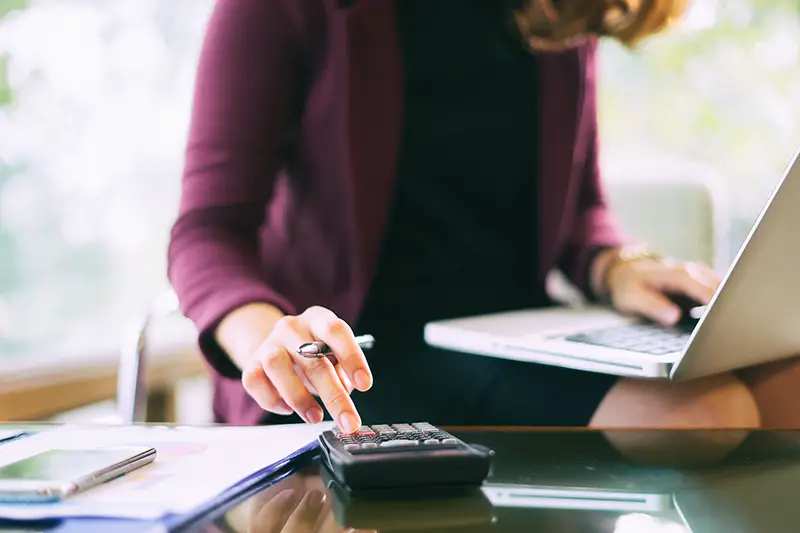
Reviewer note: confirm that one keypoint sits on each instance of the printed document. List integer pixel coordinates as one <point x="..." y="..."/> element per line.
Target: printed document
<point x="193" y="466"/>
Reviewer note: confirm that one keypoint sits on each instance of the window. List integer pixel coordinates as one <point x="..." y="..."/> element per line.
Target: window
<point x="718" y="94"/>
<point x="94" y="106"/>
<point x="93" y="122"/>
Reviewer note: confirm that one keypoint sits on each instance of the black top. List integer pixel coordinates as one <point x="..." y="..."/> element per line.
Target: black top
<point x="461" y="238"/>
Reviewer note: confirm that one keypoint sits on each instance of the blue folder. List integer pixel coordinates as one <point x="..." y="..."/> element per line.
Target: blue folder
<point x="211" y="510"/>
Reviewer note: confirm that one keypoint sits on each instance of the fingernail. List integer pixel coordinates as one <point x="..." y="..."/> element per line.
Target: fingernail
<point x="283" y="408"/>
<point x="363" y="381"/>
<point x="670" y="316"/>
<point x="314" y="415"/>
<point x="285" y="497"/>
<point x="315" y="500"/>
<point x="349" y="423"/>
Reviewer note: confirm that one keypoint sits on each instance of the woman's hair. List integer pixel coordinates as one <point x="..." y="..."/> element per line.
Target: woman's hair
<point x="558" y="24"/>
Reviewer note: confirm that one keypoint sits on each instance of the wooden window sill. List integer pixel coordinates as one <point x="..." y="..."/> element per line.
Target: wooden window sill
<point x="40" y="388"/>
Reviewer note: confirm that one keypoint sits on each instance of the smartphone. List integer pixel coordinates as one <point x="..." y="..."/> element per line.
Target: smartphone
<point x="54" y="475"/>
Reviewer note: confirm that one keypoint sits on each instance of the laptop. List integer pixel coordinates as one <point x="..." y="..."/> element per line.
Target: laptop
<point x="753" y="318"/>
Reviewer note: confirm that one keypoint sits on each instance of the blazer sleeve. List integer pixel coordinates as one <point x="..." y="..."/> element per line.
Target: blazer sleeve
<point x="595" y="228"/>
<point x="246" y="85"/>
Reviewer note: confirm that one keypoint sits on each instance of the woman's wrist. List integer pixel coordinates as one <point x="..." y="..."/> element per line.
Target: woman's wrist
<point x="243" y="330"/>
<point x="598" y="273"/>
<point x="607" y="262"/>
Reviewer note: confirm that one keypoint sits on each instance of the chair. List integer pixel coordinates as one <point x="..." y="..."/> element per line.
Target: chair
<point x="131" y="384"/>
<point x="685" y="218"/>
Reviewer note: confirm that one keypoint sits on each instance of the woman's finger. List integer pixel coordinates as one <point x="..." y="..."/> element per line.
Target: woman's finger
<point x="683" y="280"/>
<point x="704" y="274"/>
<point x="307" y="384"/>
<point x="261" y="389"/>
<point x="306" y="515"/>
<point x="272" y="517"/>
<point x="651" y="304"/>
<point x="321" y="375"/>
<point x="348" y="385"/>
<point x="344" y="379"/>
<point x="278" y="366"/>
<point x="293" y="332"/>
<point x="335" y="332"/>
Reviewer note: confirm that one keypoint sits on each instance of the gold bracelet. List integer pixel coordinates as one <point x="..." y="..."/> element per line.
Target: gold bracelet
<point x="628" y="254"/>
<point x="641" y="252"/>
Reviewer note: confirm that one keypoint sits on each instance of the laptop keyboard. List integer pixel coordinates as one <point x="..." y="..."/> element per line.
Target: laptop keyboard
<point x="643" y="338"/>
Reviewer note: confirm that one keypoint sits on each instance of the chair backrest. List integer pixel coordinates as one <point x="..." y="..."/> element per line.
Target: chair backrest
<point x="686" y="219"/>
<point x="132" y="374"/>
<point x="677" y="205"/>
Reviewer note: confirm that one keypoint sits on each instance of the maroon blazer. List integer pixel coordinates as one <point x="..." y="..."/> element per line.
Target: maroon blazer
<point x="291" y="161"/>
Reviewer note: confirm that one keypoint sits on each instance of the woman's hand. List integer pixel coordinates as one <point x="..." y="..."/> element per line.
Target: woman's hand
<point x="292" y="512"/>
<point x="641" y="286"/>
<point x="283" y="382"/>
<point x="297" y="504"/>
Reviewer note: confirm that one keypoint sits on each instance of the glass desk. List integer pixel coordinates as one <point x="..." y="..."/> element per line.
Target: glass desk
<point x="550" y="481"/>
<point x="580" y="481"/>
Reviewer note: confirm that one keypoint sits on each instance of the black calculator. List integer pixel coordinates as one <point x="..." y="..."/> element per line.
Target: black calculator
<point x="396" y="456"/>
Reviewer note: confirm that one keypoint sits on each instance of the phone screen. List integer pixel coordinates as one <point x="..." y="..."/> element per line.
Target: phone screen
<point x="63" y="465"/>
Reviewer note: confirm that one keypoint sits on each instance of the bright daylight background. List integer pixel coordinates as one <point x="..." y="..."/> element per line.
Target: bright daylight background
<point x="94" y="104"/>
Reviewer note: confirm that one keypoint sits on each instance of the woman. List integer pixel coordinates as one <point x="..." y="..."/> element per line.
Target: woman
<point x="372" y="165"/>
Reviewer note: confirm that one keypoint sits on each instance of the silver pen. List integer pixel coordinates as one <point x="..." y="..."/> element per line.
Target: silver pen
<point x="320" y="349"/>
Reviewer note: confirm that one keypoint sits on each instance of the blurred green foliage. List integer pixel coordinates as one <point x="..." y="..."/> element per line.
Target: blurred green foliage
<point x="9" y="268"/>
<point x="5" y="92"/>
<point x="725" y="96"/>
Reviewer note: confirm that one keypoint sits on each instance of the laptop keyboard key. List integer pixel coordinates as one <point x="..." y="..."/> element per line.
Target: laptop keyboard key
<point x="643" y="338"/>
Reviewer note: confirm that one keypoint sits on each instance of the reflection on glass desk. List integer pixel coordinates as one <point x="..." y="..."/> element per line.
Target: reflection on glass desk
<point x="622" y="481"/>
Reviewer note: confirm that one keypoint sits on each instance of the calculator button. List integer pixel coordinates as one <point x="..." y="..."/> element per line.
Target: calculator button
<point x="366" y="431"/>
<point x="369" y="445"/>
<point x="431" y="441"/>
<point x="352" y="447"/>
<point x="399" y="443"/>
<point x="449" y="441"/>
